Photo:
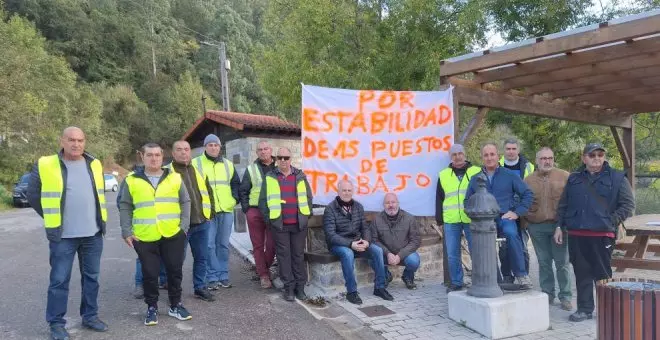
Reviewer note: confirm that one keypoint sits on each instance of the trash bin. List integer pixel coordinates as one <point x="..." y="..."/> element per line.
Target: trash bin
<point x="628" y="309"/>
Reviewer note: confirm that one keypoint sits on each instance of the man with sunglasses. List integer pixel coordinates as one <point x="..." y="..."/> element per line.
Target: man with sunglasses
<point x="594" y="202"/>
<point x="285" y="202"/>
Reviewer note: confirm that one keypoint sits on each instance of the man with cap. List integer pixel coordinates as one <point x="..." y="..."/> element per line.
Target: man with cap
<point x="596" y="199"/>
<point x="224" y="183"/>
<point x="450" y="194"/>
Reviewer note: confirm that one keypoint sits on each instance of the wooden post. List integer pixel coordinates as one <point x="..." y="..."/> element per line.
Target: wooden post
<point x="474" y="124"/>
<point x="629" y="143"/>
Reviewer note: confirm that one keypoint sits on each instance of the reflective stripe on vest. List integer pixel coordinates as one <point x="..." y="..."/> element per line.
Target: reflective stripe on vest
<point x="529" y="168"/>
<point x="274" y="198"/>
<point x="52" y="189"/>
<point x="452" y="206"/>
<point x="257" y="180"/>
<point x="219" y="178"/>
<point x="156" y="212"/>
<point x="201" y="186"/>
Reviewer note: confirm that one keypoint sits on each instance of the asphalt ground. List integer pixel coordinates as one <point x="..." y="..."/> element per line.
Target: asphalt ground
<point x="243" y="312"/>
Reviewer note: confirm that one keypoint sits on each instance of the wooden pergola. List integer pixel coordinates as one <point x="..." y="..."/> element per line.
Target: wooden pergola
<point x="600" y="74"/>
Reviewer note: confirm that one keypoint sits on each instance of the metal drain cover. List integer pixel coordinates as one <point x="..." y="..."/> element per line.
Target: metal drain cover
<point x="377" y="310"/>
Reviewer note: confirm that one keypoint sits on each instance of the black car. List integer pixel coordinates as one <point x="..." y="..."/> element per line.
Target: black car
<point x="20" y="192"/>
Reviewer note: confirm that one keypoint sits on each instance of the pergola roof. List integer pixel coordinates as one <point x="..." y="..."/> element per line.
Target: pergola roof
<point x="598" y="74"/>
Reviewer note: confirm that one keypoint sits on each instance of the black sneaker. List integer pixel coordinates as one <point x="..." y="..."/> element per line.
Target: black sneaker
<point x="152" y="316"/>
<point x="58" y="332"/>
<point x="580" y="316"/>
<point x="354" y="298"/>
<point x="410" y="283"/>
<point x="204" y="294"/>
<point x="224" y="284"/>
<point x="95" y="324"/>
<point x="179" y="312"/>
<point x="300" y="295"/>
<point x="288" y="295"/>
<point x="384" y="294"/>
<point x="454" y="288"/>
<point x="213" y="285"/>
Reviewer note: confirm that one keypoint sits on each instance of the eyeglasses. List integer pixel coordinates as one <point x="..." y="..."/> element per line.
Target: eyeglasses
<point x="546" y="158"/>
<point x="283" y="158"/>
<point x="596" y="154"/>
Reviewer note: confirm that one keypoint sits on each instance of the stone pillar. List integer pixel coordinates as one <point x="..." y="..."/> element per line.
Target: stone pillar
<point x="482" y="209"/>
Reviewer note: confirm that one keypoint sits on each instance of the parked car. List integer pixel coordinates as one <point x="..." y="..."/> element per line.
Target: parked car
<point x="111" y="183"/>
<point x="20" y="191"/>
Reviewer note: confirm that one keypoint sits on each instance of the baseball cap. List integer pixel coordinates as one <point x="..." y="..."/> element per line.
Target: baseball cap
<point x="591" y="147"/>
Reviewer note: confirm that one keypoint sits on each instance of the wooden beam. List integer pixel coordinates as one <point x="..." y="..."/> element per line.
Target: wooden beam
<point x="621" y="146"/>
<point x="604" y="35"/>
<point x="474" y="124"/>
<point x="539" y="106"/>
<point x="624" y="50"/>
<point x="623" y="263"/>
<point x="622" y="98"/>
<point x="623" y="88"/>
<point x="646" y="60"/>
<point x="596" y="80"/>
<point x="629" y="143"/>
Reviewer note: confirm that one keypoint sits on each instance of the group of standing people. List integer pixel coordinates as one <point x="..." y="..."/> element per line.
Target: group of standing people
<point x="190" y="201"/>
<point x="570" y="217"/>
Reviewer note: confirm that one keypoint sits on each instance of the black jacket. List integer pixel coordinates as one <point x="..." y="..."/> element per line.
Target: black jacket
<point x="598" y="202"/>
<point x="342" y="228"/>
<point x="34" y="196"/>
<point x="246" y="184"/>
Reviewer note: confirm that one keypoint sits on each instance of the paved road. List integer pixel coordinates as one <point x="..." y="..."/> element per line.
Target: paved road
<point x="242" y="312"/>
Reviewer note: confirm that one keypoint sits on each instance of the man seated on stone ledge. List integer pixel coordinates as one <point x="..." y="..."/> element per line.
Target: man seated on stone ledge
<point x="347" y="235"/>
<point x="397" y="233"/>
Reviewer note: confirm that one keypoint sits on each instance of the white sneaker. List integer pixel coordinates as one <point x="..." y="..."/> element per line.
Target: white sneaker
<point x="524" y="282"/>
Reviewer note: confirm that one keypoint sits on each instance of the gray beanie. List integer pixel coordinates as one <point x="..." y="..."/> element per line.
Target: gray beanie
<point x="456" y="148"/>
<point x="211" y="139"/>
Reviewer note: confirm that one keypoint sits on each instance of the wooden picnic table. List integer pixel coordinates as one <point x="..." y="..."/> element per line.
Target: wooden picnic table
<point x="638" y="242"/>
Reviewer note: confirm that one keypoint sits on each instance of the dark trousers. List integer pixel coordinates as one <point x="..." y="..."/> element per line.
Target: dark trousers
<point x="507" y="272"/>
<point x="263" y="246"/>
<point x="170" y="250"/>
<point x="591" y="257"/>
<point x="62" y="253"/>
<point x="290" y="248"/>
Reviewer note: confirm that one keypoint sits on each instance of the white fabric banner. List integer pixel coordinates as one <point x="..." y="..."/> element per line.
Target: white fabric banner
<point x="382" y="141"/>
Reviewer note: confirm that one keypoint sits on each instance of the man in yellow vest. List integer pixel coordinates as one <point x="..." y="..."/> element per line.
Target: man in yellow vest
<point x="285" y="202"/>
<point x="514" y="161"/>
<point x="67" y="189"/>
<point x="199" y="191"/>
<point x="263" y="246"/>
<point x="224" y="183"/>
<point x="453" y="182"/>
<point x="154" y="215"/>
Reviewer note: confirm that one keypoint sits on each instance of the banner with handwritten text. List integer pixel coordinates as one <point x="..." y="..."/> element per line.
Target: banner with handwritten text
<point x="382" y="141"/>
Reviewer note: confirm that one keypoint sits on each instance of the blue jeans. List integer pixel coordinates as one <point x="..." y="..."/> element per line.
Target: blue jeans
<point x="198" y="237"/>
<point x="89" y="251"/>
<point x="453" y="233"/>
<point x="411" y="263"/>
<point x="514" y="244"/>
<point x="162" y="276"/>
<point x="219" y="232"/>
<point x="347" y="258"/>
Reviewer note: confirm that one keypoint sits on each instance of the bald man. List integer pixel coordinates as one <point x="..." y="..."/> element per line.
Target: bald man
<point x="348" y="236"/>
<point x="397" y="233"/>
<point x="67" y="189"/>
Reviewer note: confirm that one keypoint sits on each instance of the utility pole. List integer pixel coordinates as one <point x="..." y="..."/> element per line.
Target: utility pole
<point x="203" y="104"/>
<point x="224" y="77"/>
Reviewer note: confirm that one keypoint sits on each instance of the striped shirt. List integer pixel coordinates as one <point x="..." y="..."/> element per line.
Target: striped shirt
<point x="290" y="197"/>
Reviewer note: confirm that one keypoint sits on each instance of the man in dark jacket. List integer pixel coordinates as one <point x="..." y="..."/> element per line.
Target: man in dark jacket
<point x="348" y="236"/>
<point x="260" y="235"/>
<point x="514" y="199"/>
<point x="67" y="190"/>
<point x="396" y="232"/>
<point x="596" y="199"/>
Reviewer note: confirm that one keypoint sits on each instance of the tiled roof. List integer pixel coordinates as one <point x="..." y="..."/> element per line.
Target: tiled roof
<point x="242" y="121"/>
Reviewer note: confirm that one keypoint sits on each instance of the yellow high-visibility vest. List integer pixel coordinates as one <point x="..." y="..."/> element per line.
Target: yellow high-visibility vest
<point x="257" y="181"/>
<point x="274" y="198"/>
<point x="156" y="211"/>
<point x="201" y="185"/>
<point x="219" y="175"/>
<point x="529" y="168"/>
<point x="52" y="189"/>
<point x="455" y="190"/>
